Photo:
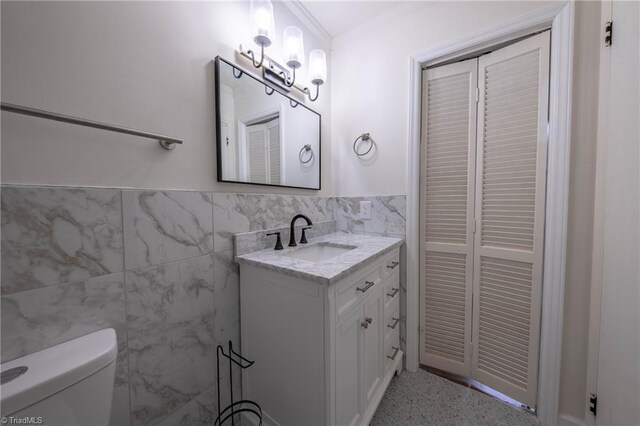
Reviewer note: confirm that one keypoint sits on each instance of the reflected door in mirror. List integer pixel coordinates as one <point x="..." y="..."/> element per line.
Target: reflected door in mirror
<point x="262" y="157"/>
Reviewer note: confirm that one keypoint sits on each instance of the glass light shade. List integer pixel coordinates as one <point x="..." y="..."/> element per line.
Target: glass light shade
<point x="262" y="22"/>
<point x="318" y="66"/>
<point x="293" y="47"/>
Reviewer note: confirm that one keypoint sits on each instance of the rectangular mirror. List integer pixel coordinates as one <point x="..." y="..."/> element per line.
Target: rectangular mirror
<point x="264" y="136"/>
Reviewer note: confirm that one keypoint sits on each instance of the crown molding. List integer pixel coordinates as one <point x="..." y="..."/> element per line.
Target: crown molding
<point x="309" y="21"/>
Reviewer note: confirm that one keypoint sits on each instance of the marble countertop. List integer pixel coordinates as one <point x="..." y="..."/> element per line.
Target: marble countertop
<point x="328" y="272"/>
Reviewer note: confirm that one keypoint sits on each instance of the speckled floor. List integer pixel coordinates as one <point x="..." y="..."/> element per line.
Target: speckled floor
<point x="423" y="398"/>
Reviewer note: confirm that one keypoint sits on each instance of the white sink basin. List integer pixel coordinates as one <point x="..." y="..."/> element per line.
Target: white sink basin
<point x="319" y="252"/>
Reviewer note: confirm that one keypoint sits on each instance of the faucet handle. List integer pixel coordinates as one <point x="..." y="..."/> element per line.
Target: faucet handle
<point x="278" y="241"/>
<point x="303" y="238"/>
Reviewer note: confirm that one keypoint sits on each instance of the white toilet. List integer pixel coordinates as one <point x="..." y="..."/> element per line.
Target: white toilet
<point x="68" y="384"/>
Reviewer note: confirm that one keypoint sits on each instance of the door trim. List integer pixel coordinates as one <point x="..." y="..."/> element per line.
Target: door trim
<point x="560" y="18"/>
<point x="595" y="306"/>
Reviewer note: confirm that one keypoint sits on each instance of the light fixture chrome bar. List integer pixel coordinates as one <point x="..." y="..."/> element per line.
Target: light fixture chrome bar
<point x="274" y="68"/>
<point x="165" y="141"/>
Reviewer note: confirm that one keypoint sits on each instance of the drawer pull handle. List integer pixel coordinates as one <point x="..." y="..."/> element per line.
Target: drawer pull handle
<point x="368" y="285"/>
<point x="395" y="352"/>
<point x="395" y="323"/>
<point x="393" y="265"/>
<point x="393" y="293"/>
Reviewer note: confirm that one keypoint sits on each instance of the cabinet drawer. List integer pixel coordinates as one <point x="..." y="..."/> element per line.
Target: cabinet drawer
<point x="391" y="264"/>
<point x="391" y="343"/>
<point x="350" y="294"/>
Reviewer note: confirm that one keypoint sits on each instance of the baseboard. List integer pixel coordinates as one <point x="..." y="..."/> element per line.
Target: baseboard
<point x="567" y="420"/>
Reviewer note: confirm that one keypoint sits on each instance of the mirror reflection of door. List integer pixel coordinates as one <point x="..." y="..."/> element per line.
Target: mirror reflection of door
<point x="227" y="133"/>
<point x="263" y="149"/>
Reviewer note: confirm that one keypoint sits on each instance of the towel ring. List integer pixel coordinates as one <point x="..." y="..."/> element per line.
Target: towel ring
<point x="365" y="137"/>
<point x="304" y="149"/>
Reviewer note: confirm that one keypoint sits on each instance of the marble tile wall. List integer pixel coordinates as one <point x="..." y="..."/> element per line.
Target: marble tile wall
<point x="164" y="226"/>
<point x="52" y="236"/>
<point x="388" y="215"/>
<point x="157" y="266"/>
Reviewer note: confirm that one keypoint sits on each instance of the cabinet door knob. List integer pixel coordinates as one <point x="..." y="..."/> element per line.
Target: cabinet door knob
<point x="369" y="320"/>
<point x="368" y="285"/>
<point x="364" y="324"/>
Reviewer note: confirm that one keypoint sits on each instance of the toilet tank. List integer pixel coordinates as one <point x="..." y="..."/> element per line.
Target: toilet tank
<point x="68" y="384"/>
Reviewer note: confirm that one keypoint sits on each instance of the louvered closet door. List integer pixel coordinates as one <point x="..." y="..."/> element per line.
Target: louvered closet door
<point x="446" y="199"/>
<point x="510" y="191"/>
<point x="256" y="140"/>
<point x="273" y="129"/>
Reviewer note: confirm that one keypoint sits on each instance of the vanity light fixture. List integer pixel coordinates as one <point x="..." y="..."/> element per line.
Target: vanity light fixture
<point x="293" y="53"/>
<point x="263" y="27"/>
<point x="317" y="71"/>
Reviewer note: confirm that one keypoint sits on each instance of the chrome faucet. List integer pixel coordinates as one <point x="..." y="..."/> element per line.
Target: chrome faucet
<point x="292" y="231"/>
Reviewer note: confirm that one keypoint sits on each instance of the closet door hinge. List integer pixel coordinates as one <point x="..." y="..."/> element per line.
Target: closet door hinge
<point x="608" y="33"/>
<point x="593" y="403"/>
<point x="477" y="94"/>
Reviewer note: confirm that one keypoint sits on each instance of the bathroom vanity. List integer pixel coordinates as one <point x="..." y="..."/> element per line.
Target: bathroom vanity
<point x="321" y="321"/>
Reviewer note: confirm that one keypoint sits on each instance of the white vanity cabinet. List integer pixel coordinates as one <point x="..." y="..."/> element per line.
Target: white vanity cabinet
<point x="324" y="354"/>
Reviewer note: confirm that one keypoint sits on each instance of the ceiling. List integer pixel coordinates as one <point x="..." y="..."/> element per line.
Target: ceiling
<point x="340" y="17"/>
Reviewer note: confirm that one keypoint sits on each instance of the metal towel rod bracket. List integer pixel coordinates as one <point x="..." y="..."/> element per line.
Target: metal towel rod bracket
<point x="166" y="142"/>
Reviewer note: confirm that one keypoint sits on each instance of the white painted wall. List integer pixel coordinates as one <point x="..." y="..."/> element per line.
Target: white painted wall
<point x="371" y="65"/>
<point x="145" y="65"/>
<point x="370" y="83"/>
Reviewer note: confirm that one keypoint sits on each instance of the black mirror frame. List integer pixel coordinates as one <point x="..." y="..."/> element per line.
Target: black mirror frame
<point x="244" y="73"/>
